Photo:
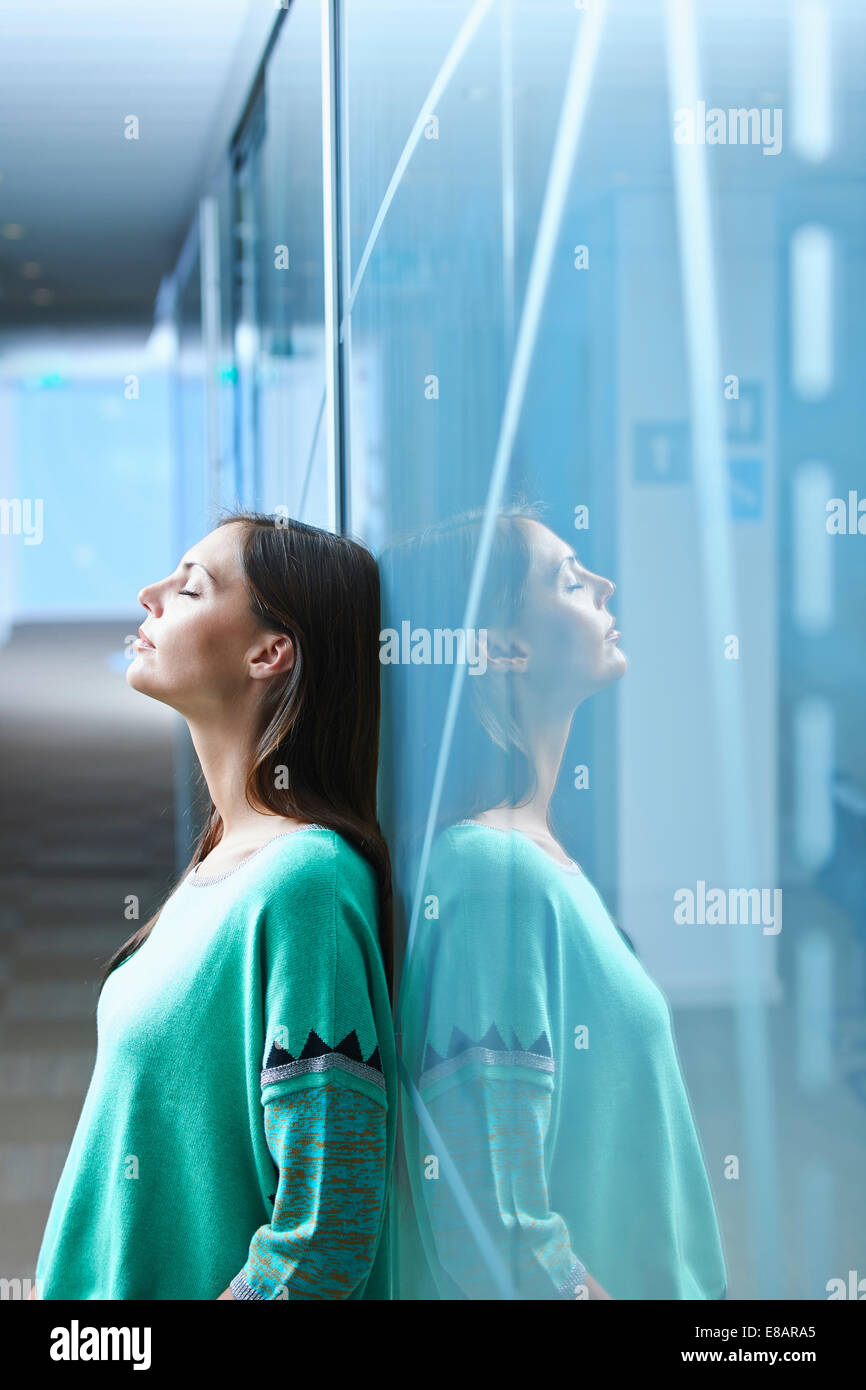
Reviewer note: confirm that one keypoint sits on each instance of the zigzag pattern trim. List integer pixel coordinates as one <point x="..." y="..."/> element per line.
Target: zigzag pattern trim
<point x="318" y="1056"/>
<point x="491" y="1050"/>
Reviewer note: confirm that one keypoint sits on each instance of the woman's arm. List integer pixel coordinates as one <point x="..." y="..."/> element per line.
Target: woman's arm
<point x="483" y="1010"/>
<point x="595" y="1289"/>
<point x="328" y="1142"/>
<point x="493" y="1130"/>
<point x="324" y="1092"/>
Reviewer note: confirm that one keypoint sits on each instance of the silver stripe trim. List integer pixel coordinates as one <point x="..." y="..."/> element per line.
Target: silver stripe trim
<point x="490" y="1058"/>
<point x="241" y="1289"/>
<point x="575" y="1279"/>
<point x="328" y="1060"/>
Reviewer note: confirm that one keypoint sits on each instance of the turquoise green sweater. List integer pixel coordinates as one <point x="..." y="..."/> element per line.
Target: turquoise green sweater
<point x="543" y="1067"/>
<point x="239" y="1125"/>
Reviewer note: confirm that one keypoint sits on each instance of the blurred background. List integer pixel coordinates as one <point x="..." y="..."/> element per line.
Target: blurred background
<point x="372" y="264"/>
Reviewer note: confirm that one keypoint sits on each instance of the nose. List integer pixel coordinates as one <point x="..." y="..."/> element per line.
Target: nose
<point x="148" y="597"/>
<point x="605" y="589"/>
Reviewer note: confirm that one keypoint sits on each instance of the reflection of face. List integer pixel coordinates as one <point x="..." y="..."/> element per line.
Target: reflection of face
<point x="564" y="624"/>
<point x="202" y="628"/>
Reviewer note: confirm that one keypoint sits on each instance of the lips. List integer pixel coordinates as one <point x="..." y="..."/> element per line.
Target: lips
<point x="145" y="640"/>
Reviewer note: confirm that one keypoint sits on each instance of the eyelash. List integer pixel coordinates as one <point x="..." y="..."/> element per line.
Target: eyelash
<point x="189" y="592"/>
<point x="574" y="586"/>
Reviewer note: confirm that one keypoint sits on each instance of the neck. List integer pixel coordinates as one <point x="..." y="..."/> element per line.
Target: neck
<point x="546" y="737"/>
<point x="224" y="748"/>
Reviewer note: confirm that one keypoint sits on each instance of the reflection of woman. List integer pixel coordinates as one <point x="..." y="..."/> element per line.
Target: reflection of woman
<point x="549" y="1145"/>
<point x="237" y="1135"/>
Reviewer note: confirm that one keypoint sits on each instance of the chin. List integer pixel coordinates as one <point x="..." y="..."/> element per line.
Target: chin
<point x="616" y="669"/>
<point x="136" y="677"/>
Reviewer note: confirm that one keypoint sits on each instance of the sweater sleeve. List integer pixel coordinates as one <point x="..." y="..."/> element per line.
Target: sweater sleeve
<point x="486" y="1079"/>
<point x="323" y="1089"/>
<point x="492" y="1127"/>
<point x="328" y="1145"/>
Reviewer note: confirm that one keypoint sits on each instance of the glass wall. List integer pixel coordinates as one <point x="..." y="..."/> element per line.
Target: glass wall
<point x="595" y="359"/>
<point x="279" y="328"/>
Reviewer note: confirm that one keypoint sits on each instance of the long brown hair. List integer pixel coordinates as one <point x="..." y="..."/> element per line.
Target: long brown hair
<point x="321" y="723"/>
<point x="425" y="578"/>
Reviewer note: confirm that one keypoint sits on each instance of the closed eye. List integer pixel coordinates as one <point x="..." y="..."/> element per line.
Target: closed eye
<point x="189" y="593"/>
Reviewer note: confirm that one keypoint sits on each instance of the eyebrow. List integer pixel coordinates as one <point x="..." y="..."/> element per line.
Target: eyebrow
<point x="188" y="564"/>
<point x="570" y="559"/>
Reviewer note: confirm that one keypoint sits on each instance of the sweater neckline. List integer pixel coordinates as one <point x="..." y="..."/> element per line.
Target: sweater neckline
<point x="195" y="881"/>
<point x="570" y="868"/>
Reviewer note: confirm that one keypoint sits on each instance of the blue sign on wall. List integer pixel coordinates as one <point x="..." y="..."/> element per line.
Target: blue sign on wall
<point x="744" y="417"/>
<point x="746" y="489"/>
<point x="662" y="452"/>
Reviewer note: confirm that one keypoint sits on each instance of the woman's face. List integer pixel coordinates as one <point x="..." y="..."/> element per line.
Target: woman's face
<point x="204" y="638"/>
<point x="565" y="625"/>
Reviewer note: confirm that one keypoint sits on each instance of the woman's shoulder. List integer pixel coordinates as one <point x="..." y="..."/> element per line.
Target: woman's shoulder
<point x="321" y="854"/>
<point x="480" y="883"/>
<point x="316" y="863"/>
<point x="489" y="859"/>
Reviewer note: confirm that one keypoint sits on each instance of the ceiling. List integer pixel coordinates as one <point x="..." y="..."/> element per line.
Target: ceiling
<point x="102" y="218"/>
<point x="91" y="220"/>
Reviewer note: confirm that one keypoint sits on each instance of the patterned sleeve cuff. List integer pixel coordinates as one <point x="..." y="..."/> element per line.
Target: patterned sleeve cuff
<point x="241" y="1289"/>
<point x="569" y="1288"/>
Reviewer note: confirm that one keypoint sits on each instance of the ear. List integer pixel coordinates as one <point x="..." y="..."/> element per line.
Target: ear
<point x="274" y="657"/>
<point x="506" y="653"/>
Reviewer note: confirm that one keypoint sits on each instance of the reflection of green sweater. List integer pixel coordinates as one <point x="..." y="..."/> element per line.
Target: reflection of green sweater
<point x="240" y="1121"/>
<point x="544" y="1063"/>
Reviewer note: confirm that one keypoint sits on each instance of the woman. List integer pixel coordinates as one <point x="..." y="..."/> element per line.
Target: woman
<point x="237" y="1135"/>
<point x="549" y="1147"/>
